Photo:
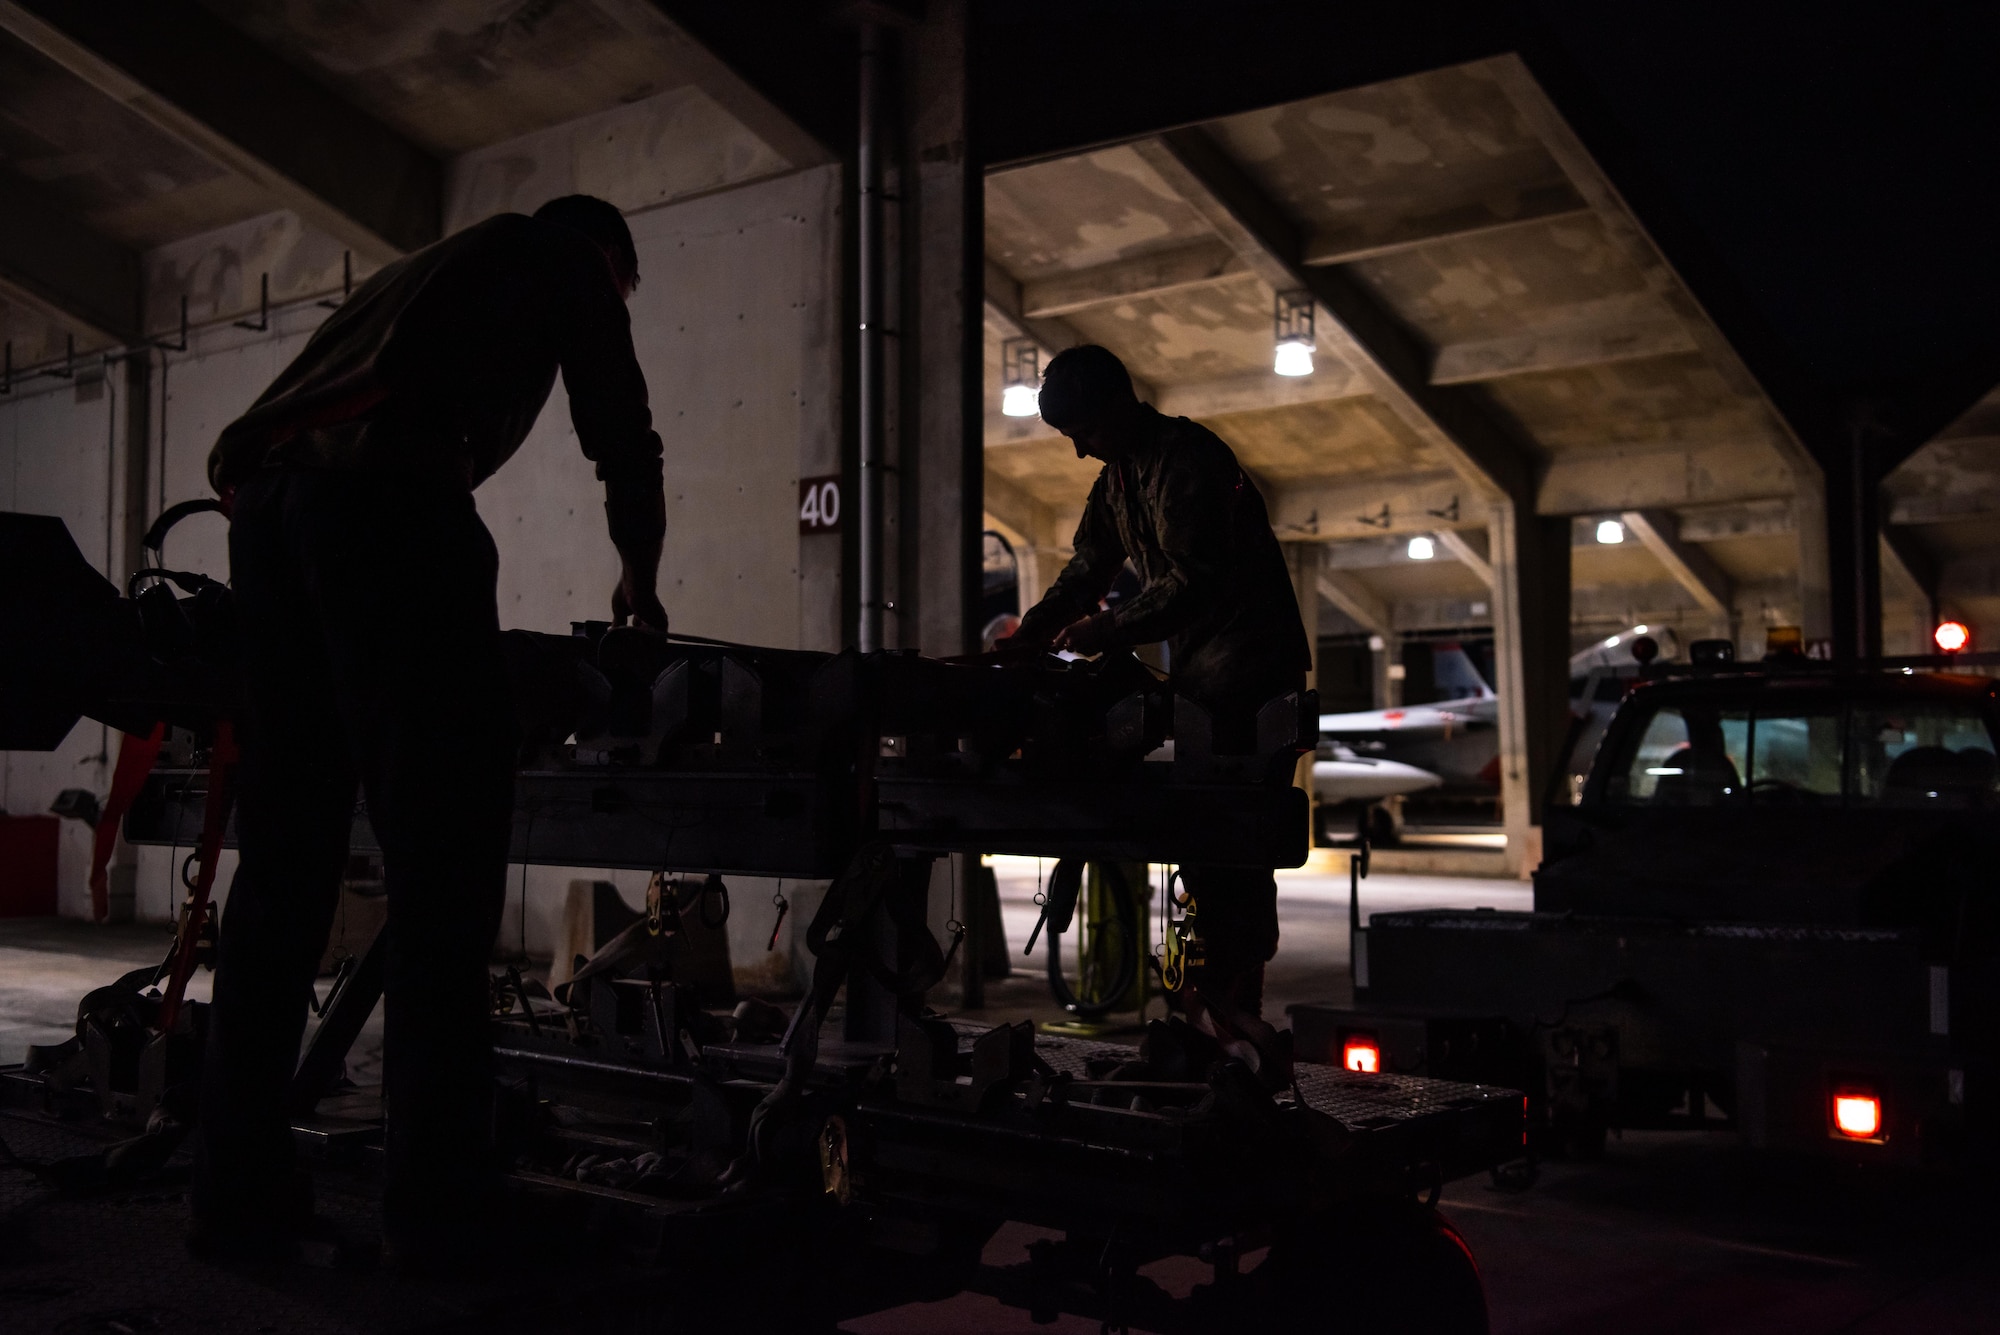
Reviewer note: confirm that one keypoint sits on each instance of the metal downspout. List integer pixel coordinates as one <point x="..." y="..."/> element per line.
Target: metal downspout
<point x="869" y="396"/>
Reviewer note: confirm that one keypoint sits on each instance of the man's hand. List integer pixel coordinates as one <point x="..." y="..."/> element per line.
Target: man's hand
<point x="637" y="601"/>
<point x="1091" y="635"/>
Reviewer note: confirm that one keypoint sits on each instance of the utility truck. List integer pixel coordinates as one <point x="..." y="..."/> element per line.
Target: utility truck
<point x="1770" y="900"/>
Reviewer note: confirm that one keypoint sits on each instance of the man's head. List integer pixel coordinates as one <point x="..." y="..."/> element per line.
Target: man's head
<point x="605" y="226"/>
<point x="1087" y="395"/>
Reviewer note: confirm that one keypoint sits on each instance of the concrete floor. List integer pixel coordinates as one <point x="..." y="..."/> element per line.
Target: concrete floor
<point x="1312" y="962"/>
<point x="1669" y="1233"/>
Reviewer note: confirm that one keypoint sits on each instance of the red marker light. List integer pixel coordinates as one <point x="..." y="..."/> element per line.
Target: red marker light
<point x="1361" y="1053"/>
<point x="1952" y="636"/>
<point x="1857" y="1116"/>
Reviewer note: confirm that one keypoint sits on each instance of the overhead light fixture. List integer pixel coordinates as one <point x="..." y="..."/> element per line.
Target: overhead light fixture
<point x="1020" y="377"/>
<point x="1422" y="548"/>
<point x="1292" y="327"/>
<point x="1610" y="532"/>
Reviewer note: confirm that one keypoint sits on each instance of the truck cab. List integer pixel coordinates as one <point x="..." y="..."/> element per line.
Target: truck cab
<point x="1770" y="899"/>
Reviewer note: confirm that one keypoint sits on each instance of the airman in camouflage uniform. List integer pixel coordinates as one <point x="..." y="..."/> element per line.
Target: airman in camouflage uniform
<point x="1214" y="585"/>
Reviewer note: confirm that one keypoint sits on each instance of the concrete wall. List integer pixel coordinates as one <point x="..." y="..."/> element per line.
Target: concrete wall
<point x="736" y="324"/>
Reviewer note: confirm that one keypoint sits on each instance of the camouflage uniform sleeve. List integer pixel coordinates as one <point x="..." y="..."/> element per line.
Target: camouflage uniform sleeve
<point x="1100" y="554"/>
<point x="1190" y="513"/>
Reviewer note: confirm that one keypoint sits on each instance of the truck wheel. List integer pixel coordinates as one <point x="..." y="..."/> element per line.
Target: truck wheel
<point x="1373" y="1269"/>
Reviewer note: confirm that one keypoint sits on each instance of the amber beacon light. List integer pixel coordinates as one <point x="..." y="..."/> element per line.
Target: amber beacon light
<point x="1952" y="636"/>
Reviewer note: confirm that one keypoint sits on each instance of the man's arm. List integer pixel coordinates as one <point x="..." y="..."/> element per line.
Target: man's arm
<point x="614" y="424"/>
<point x="1075" y="593"/>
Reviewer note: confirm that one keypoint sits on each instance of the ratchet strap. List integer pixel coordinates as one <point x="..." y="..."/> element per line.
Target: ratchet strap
<point x="223" y="760"/>
<point x="136" y="755"/>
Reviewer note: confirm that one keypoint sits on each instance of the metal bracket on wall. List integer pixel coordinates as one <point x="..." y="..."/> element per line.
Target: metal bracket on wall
<point x="63" y="370"/>
<point x="346" y="281"/>
<point x="263" y="321"/>
<point x="181" y="346"/>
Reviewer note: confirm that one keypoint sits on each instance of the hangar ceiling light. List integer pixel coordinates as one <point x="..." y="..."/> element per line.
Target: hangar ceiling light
<point x="1292" y="327"/>
<point x="1020" y="377"/>
<point x="1610" y="532"/>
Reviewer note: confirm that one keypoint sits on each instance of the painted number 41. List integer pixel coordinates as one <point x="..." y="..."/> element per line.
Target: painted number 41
<point x="819" y="505"/>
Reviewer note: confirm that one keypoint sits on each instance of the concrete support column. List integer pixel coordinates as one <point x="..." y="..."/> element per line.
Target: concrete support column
<point x="942" y="335"/>
<point x="1304" y="560"/>
<point x="941" y="363"/>
<point x="1815" y="574"/>
<point x="1387" y="662"/>
<point x="1853" y="528"/>
<point x="1531" y="579"/>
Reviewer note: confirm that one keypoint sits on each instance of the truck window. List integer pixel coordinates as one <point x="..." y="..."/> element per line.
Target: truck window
<point x="1922" y="755"/>
<point x="1795" y="757"/>
<point x="1686" y="758"/>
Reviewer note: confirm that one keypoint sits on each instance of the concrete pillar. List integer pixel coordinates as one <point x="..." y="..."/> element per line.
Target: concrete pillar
<point x="1304" y="560"/>
<point x="942" y="337"/>
<point x="1386" y="650"/>
<point x="1815" y="575"/>
<point x="941" y="365"/>
<point x="1853" y="528"/>
<point x="1531" y="578"/>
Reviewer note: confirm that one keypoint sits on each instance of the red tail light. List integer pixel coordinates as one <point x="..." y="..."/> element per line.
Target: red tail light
<point x="1857" y="1115"/>
<point x="1360" y="1052"/>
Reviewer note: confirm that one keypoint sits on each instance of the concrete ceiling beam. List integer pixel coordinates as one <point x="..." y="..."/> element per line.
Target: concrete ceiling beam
<point x="1256" y="392"/>
<point x="1591" y="334"/>
<point x="1693" y="569"/>
<point x="1903" y="560"/>
<point x="1199" y="265"/>
<point x="715" y="77"/>
<point x="1051" y="334"/>
<point x="1603" y="481"/>
<point x="1621" y="227"/>
<point x="1356" y="600"/>
<point x="68" y="273"/>
<point x="1973" y="502"/>
<point x="193" y="76"/>
<point x="1003" y="308"/>
<point x="1367" y="508"/>
<point x="1462" y="548"/>
<point x="1477" y="218"/>
<point x="1349" y="321"/>
<point x="1745" y="519"/>
<point x="1206" y="263"/>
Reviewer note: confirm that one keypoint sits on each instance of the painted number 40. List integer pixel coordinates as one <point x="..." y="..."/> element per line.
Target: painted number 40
<point x="819" y="505"/>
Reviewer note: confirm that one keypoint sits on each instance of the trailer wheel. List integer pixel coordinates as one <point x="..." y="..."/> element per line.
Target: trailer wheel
<point x="1373" y="1269"/>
